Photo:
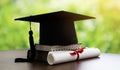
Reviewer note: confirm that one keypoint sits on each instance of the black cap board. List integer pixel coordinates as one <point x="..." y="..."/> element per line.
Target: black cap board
<point x="57" y="28"/>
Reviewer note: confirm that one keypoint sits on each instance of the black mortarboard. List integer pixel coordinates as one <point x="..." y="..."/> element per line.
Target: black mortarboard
<point x="57" y="28"/>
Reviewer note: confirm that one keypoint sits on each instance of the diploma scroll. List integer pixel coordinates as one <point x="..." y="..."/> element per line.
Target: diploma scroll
<point x="56" y="57"/>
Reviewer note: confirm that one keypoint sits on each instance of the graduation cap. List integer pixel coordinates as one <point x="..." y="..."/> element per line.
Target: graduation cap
<point x="56" y="28"/>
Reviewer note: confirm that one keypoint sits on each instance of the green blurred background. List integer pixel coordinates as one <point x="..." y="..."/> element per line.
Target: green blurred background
<point x="102" y="32"/>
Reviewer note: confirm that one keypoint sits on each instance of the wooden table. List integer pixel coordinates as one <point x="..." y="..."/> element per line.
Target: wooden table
<point x="104" y="62"/>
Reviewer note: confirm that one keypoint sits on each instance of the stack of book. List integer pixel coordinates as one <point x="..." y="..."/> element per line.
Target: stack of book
<point x="43" y="50"/>
<point x="61" y="54"/>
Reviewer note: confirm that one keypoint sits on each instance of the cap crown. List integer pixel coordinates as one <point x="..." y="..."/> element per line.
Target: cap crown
<point x="57" y="28"/>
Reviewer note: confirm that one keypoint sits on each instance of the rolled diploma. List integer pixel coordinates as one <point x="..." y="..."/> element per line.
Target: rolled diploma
<point x="56" y="57"/>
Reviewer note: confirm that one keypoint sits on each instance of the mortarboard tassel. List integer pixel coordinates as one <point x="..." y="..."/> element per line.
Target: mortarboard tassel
<point x="31" y="52"/>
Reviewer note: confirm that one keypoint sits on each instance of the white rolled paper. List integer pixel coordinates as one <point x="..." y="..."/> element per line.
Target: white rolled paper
<point x="55" y="57"/>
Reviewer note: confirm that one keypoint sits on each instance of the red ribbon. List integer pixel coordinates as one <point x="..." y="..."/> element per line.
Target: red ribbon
<point x="76" y="52"/>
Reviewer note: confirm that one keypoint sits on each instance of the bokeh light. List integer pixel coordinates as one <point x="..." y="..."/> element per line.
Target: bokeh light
<point x="102" y="32"/>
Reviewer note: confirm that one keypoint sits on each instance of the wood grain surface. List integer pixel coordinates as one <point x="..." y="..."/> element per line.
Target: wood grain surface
<point x="103" y="62"/>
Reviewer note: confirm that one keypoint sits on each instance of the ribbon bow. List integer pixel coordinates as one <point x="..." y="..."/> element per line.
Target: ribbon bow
<point x="76" y="52"/>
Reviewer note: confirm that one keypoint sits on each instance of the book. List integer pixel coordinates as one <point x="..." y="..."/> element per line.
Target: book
<point x="57" y="47"/>
<point x="41" y="56"/>
<point x="42" y="51"/>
